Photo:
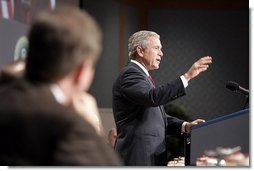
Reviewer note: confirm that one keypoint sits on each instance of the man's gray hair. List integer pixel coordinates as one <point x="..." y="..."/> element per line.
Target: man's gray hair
<point x="139" y="38"/>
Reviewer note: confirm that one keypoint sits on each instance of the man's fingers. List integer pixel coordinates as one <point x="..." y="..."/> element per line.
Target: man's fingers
<point x="206" y="60"/>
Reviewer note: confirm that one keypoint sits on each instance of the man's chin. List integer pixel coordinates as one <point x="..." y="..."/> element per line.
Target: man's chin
<point x="154" y="67"/>
<point x="157" y="67"/>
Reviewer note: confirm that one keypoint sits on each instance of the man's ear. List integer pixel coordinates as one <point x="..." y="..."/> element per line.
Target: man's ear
<point x="140" y="51"/>
<point x="84" y="75"/>
<point x="78" y="73"/>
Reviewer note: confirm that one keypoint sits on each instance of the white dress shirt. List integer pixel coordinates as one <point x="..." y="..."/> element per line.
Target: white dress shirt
<point x="58" y="94"/>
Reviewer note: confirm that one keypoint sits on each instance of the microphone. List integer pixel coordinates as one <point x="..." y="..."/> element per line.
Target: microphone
<point x="237" y="88"/>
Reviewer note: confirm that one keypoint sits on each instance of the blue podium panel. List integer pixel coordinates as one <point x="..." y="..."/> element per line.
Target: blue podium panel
<point x="227" y="131"/>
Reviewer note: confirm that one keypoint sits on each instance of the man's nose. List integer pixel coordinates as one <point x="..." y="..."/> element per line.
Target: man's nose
<point x="161" y="53"/>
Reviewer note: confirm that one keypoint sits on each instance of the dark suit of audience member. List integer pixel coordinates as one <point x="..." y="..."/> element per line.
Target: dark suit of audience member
<point x="36" y="130"/>
<point x="38" y="123"/>
<point x="142" y="124"/>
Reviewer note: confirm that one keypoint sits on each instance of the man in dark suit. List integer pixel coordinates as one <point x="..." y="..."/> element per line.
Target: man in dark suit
<point x="38" y="124"/>
<point x="142" y="124"/>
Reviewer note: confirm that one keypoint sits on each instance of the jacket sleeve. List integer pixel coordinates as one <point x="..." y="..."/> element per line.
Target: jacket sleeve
<point x="137" y="88"/>
<point x="174" y="125"/>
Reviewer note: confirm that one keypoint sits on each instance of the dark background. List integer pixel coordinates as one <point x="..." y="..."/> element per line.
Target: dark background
<point x="188" y="31"/>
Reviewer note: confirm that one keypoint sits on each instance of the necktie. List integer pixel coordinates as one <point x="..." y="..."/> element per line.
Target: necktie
<point x="151" y="79"/>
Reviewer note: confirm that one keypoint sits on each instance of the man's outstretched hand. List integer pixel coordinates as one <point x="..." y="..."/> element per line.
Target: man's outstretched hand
<point x="199" y="66"/>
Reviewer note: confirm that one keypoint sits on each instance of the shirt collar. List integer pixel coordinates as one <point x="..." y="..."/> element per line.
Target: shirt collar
<point x="58" y="94"/>
<point x="141" y="66"/>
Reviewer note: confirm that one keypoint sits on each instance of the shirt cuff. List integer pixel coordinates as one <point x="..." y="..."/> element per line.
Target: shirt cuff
<point x="185" y="82"/>
<point x="183" y="127"/>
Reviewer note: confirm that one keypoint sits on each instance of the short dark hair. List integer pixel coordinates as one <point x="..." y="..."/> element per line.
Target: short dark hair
<point x="59" y="42"/>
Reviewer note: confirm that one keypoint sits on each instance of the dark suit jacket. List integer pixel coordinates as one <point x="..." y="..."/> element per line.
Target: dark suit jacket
<point x="36" y="130"/>
<point x="141" y="121"/>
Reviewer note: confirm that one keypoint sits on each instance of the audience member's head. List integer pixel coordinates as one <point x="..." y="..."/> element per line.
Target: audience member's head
<point x="39" y="125"/>
<point x="63" y="43"/>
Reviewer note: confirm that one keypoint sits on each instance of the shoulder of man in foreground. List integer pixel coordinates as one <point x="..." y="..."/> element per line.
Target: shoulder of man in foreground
<point x="56" y="134"/>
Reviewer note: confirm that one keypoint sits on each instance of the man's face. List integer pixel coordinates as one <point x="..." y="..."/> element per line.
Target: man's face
<point x="151" y="56"/>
